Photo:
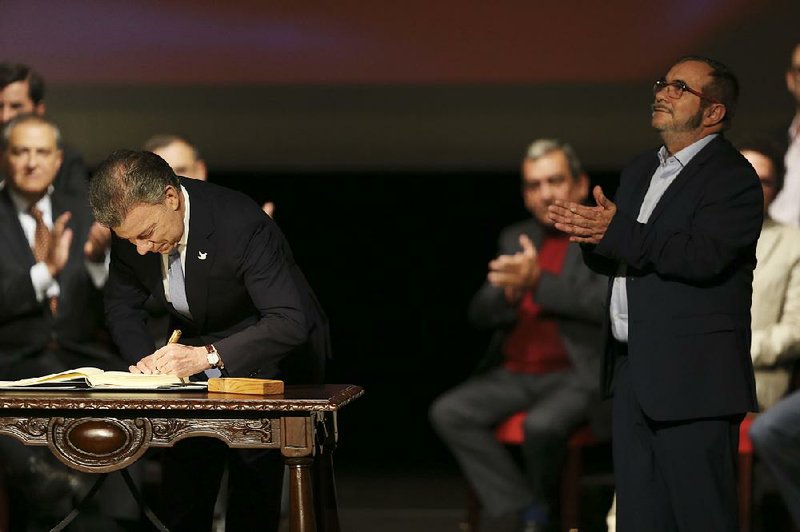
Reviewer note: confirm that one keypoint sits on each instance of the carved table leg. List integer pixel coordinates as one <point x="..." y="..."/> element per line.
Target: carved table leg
<point x="302" y="511"/>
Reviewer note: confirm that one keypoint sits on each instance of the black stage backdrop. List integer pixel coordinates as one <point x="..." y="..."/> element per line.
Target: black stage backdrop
<point x="394" y="259"/>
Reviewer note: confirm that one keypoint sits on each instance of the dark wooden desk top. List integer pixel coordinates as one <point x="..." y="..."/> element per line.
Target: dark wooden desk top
<point x="322" y="398"/>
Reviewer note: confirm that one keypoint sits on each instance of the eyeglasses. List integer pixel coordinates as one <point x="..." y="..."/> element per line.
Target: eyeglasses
<point x="675" y="90"/>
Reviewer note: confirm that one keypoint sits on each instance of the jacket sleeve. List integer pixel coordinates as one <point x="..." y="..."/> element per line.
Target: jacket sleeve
<point x="17" y="295"/>
<point x="779" y="342"/>
<point x="726" y="222"/>
<point x="488" y="308"/>
<point x="578" y="293"/>
<point x="266" y="272"/>
<point x="124" y="308"/>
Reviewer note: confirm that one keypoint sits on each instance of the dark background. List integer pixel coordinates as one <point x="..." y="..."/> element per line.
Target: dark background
<point x="395" y="259"/>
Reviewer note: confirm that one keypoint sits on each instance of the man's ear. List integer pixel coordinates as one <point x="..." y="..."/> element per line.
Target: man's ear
<point x="714" y="114"/>
<point x="39" y="108"/>
<point x="172" y="197"/>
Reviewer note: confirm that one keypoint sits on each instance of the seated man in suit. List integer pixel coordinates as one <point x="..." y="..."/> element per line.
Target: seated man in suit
<point x="775" y="346"/>
<point x="52" y="272"/>
<point x="228" y="277"/>
<point x="776" y="338"/>
<point x="546" y="307"/>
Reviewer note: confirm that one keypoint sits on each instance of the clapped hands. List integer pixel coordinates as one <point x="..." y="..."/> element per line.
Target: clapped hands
<point x="97" y="243"/>
<point x="582" y="223"/>
<point x="516" y="273"/>
<point x="60" y="241"/>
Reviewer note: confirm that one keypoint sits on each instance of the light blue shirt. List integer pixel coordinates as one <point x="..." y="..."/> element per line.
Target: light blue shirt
<point x="668" y="169"/>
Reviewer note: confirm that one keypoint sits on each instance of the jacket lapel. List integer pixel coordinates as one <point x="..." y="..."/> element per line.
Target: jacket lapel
<point x="200" y="252"/>
<point x="632" y="199"/>
<point x="16" y="236"/>
<point x="684" y="177"/>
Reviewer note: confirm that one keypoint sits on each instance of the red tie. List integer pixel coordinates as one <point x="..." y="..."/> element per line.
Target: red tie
<point x="41" y="245"/>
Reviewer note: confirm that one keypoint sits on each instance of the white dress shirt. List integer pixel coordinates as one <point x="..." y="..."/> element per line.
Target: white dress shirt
<point x="668" y="169"/>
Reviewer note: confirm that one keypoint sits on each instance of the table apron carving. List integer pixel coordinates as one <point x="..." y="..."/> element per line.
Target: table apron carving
<point x="105" y="444"/>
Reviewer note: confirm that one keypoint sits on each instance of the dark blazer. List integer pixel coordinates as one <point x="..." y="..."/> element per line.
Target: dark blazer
<point x="246" y="294"/>
<point x="72" y="177"/>
<point x="575" y="299"/>
<point x="26" y="325"/>
<point x="689" y="284"/>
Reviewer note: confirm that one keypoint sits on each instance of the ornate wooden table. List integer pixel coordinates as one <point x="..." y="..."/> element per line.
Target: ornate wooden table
<point x="100" y="432"/>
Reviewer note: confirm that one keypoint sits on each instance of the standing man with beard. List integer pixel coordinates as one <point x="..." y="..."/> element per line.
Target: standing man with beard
<point x="678" y="244"/>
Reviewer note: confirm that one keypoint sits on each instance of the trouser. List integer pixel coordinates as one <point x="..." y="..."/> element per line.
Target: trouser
<point x="465" y="418"/>
<point x="672" y="475"/>
<point x="192" y="471"/>
<point x="776" y="439"/>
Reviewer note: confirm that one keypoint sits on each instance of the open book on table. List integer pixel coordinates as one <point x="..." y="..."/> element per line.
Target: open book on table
<point x="95" y="378"/>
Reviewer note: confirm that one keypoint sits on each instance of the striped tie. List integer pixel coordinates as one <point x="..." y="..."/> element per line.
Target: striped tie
<point x="41" y="246"/>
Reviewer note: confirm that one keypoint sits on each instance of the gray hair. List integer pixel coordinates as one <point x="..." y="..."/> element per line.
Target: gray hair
<point x="28" y="118"/>
<point x="126" y="179"/>
<point x="541" y="147"/>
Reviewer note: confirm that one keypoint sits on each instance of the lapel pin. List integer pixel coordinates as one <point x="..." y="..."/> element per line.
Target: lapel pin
<point x="201" y="255"/>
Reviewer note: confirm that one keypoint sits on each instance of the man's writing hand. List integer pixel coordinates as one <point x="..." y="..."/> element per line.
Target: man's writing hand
<point x="173" y="359"/>
<point x="583" y="224"/>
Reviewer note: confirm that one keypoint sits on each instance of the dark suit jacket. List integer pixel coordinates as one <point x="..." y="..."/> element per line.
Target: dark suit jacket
<point x="26" y="325"/>
<point x="575" y="299"/>
<point x="72" y="178"/>
<point x="689" y="284"/>
<point x="245" y="292"/>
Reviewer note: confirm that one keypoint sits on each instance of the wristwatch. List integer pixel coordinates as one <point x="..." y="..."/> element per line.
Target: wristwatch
<point x="213" y="357"/>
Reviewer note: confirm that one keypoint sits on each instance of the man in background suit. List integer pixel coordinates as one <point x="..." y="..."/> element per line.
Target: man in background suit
<point x="786" y="207"/>
<point x="775" y="433"/>
<point x="679" y="248"/>
<point x="227" y="275"/>
<point x="546" y="307"/>
<point x="185" y="159"/>
<point x="22" y="91"/>
<point x="52" y="271"/>
<point x="51" y="315"/>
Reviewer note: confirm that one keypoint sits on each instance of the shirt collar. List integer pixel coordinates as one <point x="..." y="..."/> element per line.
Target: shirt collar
<point x="185" y="237"/>
<point x="686" y="154"/>
<point x="44" y="204"/>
